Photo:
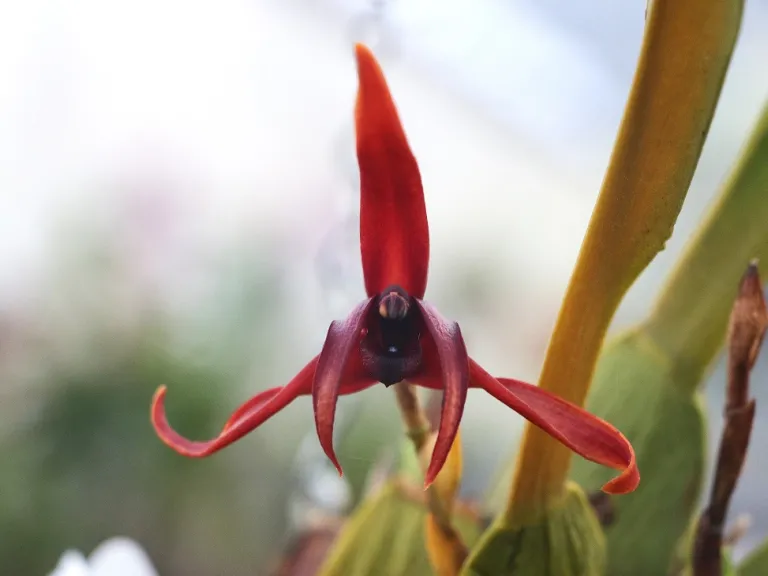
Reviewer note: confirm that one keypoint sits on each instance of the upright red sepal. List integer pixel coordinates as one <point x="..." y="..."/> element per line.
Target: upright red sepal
<point x="394" y="235"/>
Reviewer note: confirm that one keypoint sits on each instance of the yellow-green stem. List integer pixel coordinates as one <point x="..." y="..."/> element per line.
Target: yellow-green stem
<point x="415" y="419"/>
<point x="685" y="53"/>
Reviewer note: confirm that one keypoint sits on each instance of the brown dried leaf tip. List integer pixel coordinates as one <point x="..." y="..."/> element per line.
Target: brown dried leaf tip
<point x="748" y="323"/>
<point x="749" y="319"/>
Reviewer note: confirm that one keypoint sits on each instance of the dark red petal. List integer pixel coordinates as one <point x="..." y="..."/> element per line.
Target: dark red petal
<point x="454" y="370"/>
<point x="250" y="415"/>
<point x="394" y="235"/>
<point x="333" y="368"/>
<point x="582" y="432"/>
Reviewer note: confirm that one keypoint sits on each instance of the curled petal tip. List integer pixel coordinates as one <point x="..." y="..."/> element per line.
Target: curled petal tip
<point x="157" y="410"/>
<point x="163" y="429"/>
<point x="325" y="411"/>
<point x="159" y="396"/>
<point x="625" y="482"/>
<point x="331" y="454"/>
<point x="326" y="443"/>
<point x="325" y="435"/>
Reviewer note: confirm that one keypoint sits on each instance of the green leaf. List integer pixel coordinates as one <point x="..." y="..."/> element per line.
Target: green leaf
<point x="567" y="542"/>
<point x="756" y="564"/>
<point x="634" y="389"/>
<point x="385" y="537"/>
<point x="689" y="319"/>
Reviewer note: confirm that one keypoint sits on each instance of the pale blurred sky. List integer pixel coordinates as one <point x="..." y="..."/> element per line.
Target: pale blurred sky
<point x="243" y="105"/>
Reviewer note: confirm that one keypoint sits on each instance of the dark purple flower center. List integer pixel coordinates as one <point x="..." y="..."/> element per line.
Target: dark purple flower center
<point x="390" y="347"/>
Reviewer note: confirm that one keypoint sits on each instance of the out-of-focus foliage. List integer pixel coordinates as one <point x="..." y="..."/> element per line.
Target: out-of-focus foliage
<point x="386" y="533"/>
<point x="82" y="461"/>
<point x="386" y="536"/>
<point x="371" y="429"/>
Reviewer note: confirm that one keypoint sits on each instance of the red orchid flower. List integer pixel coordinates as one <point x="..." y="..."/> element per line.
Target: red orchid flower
<point x="394" y="335"/>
